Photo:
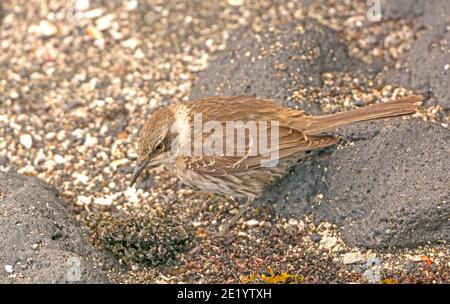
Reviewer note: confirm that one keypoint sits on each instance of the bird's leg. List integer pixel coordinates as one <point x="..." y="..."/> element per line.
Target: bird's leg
<point x="225" y="227"/>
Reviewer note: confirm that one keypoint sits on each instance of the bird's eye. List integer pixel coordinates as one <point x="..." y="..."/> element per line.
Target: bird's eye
<point x="159" y="147"/>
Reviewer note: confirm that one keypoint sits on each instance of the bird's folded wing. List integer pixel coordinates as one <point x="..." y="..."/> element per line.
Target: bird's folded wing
<point x="291" y="143"/>
<point x="248" y="156"/>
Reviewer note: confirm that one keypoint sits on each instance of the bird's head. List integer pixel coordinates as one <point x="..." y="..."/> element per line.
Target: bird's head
<point x="155" y="141"/>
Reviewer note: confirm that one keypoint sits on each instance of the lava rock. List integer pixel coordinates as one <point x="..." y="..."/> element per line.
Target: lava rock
<point x="403" y="9"/>
<point x="40" y="241"/>
<point x="391" y="190"/>
<point x="426" y="66"/>
<point x="274" y="63"/>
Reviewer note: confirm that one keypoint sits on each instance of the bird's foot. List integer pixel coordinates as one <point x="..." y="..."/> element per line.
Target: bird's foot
<point x="225" y="228"/>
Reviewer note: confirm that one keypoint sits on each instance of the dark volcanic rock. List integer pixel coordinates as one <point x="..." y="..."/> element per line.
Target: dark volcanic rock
<point x="426" y="66"/>
<point x="274" y="63"/>
<point x="391" y="190"/>
<point x="403" y="9"/>
<point x="40" y="241"/>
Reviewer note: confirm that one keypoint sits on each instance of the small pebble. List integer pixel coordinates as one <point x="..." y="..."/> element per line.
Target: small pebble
<point x="9" y="268"/>
<point x="130" y="43"/>
<point x="83" y="200"/>
<point x="132" y="5"/>
<point x="104" y="23"/>
<point x="81" y="178"/>
<point x="328" y="242"/>
<point x="46" y="29"/>
<point x="59" y="159"/>
<point x="235" y="2"/>
<point x="90" y="141"/>
<point x="50" y="135"/>
<point x="103" y="201"/>
<point x="94" y="13"/>
<point x="252" y="223"/>
<point x="130" y="191"/>
<point x="353" y="258"/>
<point x="316" y="238"/>
<point x="26" y="140"/>
<point x="14" y="94"/>
<point x="293" y="222"/>
<point x="81" y="5"/>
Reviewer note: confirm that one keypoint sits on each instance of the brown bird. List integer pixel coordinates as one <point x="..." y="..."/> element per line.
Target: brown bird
<point x="237" y="166"/>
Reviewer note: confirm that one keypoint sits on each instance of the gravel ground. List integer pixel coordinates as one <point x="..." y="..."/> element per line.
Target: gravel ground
<point x="76" y="85"/>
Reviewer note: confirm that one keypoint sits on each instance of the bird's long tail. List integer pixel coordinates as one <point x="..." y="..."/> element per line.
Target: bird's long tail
<point x="403" y="106"/>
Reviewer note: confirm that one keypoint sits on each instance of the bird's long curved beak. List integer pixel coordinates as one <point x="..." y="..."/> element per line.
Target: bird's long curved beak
<point x="138" y="170"/>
